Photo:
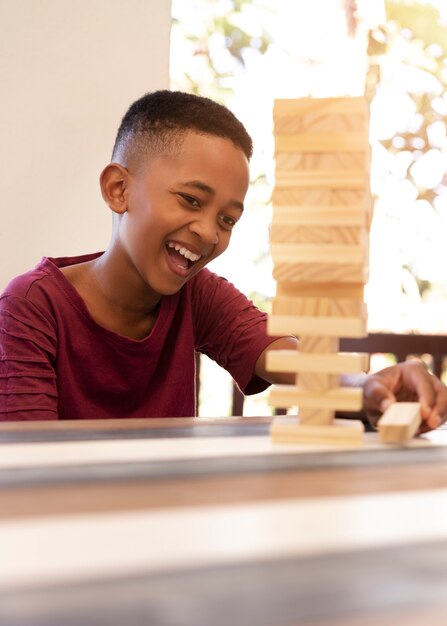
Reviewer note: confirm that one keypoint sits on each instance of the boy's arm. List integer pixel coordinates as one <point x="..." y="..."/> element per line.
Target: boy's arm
<point x="281" y="378"/>
<point x="408" y="381"/>
<point x="28" y="345"/>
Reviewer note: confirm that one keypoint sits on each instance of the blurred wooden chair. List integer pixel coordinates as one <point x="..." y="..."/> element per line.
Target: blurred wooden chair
<point x="432" y="348"/>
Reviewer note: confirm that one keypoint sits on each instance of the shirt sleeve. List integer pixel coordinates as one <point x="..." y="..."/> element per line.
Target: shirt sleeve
<point x="230" y="329"/>
<point x="28" y="386"/>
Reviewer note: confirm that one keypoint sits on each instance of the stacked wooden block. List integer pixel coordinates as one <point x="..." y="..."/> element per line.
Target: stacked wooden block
<point x="319" y="244"/>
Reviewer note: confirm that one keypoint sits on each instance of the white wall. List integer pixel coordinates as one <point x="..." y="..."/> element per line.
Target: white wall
<point x="68" y="72"/>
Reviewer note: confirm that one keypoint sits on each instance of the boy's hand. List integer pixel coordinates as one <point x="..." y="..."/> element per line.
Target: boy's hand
<point x="406" y="382"/>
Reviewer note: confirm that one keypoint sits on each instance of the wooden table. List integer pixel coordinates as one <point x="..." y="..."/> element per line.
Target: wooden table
<point x="200" y="522"/>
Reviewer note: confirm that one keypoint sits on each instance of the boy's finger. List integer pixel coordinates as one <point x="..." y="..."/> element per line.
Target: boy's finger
<point x="423" y="385"/>
<point x="438" y="414"/>
<point x="378" y="397"/>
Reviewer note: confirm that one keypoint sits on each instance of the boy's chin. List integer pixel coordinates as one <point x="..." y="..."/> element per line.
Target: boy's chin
<point x="170" y="283"/>
<point x="172" y="288"/>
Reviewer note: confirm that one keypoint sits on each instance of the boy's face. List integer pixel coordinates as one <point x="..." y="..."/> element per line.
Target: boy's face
<point x="181" y="210"/>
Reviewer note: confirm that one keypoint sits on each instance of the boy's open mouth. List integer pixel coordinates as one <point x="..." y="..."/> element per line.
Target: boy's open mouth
<point x="182" y="257"/>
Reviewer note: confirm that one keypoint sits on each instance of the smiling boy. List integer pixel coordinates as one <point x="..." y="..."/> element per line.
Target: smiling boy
<point x="113" y="334"/>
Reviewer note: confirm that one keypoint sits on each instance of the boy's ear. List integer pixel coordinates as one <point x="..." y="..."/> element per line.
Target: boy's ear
<point x="114" y="181"/>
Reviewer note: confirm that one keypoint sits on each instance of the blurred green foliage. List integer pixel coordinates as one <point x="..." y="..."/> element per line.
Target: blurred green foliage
<point x="414" y="41"/>
<point x="422" y="19"/>
<point x="234" y="26"/>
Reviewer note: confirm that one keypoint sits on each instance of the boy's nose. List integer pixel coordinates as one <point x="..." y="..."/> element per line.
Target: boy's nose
<point x="206" y="229"/>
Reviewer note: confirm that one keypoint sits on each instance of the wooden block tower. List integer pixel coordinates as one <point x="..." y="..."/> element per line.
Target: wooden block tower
<point x="319" y="244"/>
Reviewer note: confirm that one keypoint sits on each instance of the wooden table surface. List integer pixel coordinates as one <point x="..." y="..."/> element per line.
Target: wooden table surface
<point x="205" y="521"/>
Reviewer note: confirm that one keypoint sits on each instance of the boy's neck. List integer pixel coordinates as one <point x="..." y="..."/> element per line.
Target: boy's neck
<point x="110" y="298"/>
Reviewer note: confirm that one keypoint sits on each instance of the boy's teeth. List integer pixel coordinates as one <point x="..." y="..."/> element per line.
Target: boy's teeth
<point x="185" y="252"/>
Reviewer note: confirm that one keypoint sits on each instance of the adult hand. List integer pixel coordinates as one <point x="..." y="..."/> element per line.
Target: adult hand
<point x="406" y="382"/>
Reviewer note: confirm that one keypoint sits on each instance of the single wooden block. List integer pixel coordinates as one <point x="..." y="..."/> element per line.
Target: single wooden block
<point x="298" y="361"/>
<point x="320" y="290"/>
<point x="337" y="254"/>
<point x="317" y="381"/>
<point x="319" y="215"/>
<point x="320" y="107"/>
<point x="339" y="235"/>
<point x="323" y="114"/>
<point x="324" y="162"/>
<point x="400" y="422"/>
<point x="324" y="326"/>
<point x="340" y="432"/>
<point x="316" y="417"/>
<point x="319" y="307"/>
<point x="316" y="307"/>
<point x="349" y="307"/>
<point x="352" y="199"/>
<point x="331" y="178"/>
<point x="319" y="345"/>
<point x="314" y="272"/>
<point x="322" y="141"/>
<point x="340" y="399"/>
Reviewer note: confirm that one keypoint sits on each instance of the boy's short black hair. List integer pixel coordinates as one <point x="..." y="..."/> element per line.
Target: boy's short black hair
<point x="157" y="123"/>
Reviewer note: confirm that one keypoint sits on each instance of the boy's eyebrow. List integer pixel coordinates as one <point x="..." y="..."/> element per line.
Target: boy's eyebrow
<point x="198" y="184"/>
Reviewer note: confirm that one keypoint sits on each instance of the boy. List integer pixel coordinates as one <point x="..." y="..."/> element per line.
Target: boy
<point x="113" y="334"/>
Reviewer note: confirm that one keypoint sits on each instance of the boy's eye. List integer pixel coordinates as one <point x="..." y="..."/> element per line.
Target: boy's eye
<point x="190" y="200"/>
<point x="228" y="221"/>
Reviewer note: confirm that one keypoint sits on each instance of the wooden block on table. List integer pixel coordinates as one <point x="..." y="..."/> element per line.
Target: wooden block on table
<point x="340" y="432"/>
<point x="324" y="326"/>
<point x="319" y="307"/>
<point x="319" y="345"/>
<point x="298" y="361"/>
<point x="318" y="235"/>
<point x="316" y="417"/>
<point x="294" y="253"/>
<point x="320" y="272"/>
<point x="400" y="422"/>
<point x="340" y="399"/>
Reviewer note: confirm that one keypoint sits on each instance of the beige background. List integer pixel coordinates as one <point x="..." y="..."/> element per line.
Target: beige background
<point x="68" y="72"/>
